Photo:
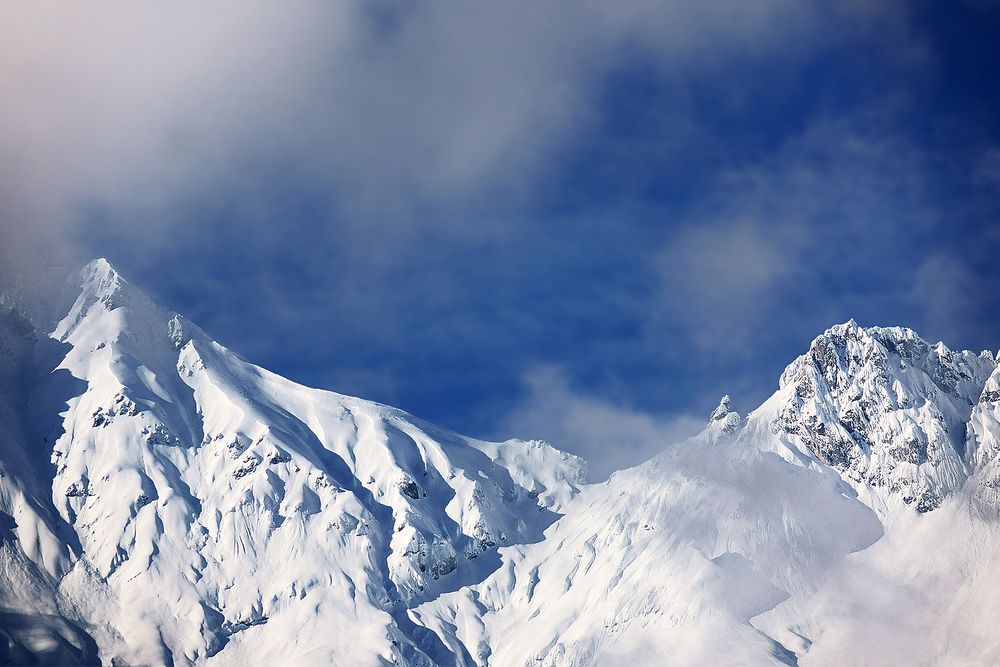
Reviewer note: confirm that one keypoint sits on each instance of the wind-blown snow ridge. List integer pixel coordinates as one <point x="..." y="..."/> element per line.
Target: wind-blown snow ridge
<point x="163" y="501"/>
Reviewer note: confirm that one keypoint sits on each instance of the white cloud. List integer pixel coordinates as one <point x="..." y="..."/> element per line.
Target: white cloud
<point x="610" y="437"/>
<point x="766" y="239"/>
<point x="391" y="108"/>
<point x="720" y="276"/>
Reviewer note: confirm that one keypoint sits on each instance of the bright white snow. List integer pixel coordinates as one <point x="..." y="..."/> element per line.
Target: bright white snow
<point x="163" y="501"/>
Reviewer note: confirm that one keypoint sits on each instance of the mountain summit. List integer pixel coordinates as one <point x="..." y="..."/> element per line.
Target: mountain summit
<point x="208" y="496"/>
<point x="163" y="501"/>
<point x="883" y="407"/>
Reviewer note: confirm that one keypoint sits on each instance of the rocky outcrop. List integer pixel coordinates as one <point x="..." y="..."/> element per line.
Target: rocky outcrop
<point x="884" y="408"/>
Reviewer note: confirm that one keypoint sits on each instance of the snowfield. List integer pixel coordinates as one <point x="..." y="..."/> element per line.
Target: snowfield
<point x="163" y="501"/>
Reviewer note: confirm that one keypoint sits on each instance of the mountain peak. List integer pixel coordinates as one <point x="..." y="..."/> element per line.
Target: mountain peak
<point x="100" y="278"/>
<point x="724" y="418"/>
<point x="723" y="409"/>
<point x="100" y="265"/>
<point x="175" y="455"/>
<point x="99" y="288"/>
<point x="849" y="325"/>
<point x="884" y="407"/>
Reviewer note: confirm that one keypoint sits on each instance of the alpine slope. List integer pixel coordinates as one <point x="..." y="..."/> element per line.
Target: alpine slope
<point x="164" y="501"/>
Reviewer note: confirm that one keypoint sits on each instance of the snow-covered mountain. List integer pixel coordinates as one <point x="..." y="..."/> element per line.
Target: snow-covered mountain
<point x="884" y="408"/>
<point x="163" y="501"/>
<point x="218" y="510"/>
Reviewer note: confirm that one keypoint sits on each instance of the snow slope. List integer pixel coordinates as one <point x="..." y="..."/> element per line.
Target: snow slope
<point x="665" y="563"/>
<point x="222" y="510"/>
<point x="163" y="501"/>
<point x="837" y="524"/>
<point x="37" y="547"/>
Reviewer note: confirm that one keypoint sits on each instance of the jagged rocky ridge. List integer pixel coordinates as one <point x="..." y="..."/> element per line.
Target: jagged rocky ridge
<point x="886" y="409"/>
<point x="162" y="501"/>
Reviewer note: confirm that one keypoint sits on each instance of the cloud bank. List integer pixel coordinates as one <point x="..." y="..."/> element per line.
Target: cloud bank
<point x="389" y="109"/>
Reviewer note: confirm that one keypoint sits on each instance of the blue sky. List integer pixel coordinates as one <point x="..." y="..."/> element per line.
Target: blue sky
<point x="577" y="221"/>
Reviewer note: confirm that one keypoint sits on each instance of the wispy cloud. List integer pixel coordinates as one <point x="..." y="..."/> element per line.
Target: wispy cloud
<point x="723" y="277"/>
<point x="390" y="110"/>
<point x="948" y="294"/>
<point x="608" y="435"/>
<point x="789" y="242"/>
